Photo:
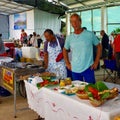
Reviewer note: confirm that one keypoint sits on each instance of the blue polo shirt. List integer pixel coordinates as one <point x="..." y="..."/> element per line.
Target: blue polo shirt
<point x="81" y="46"/>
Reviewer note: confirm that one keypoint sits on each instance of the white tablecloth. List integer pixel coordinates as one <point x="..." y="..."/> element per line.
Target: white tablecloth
<point x="5" y="59"/>
<point x="29" y="52"/>
<point x="55" y="106"/>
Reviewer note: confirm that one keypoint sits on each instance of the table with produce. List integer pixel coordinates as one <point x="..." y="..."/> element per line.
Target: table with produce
<point x="64" y="99"/>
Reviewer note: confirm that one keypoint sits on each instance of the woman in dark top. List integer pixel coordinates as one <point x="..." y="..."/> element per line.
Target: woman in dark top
<point x="29" y="44"/>
<point x="39" y="41"/>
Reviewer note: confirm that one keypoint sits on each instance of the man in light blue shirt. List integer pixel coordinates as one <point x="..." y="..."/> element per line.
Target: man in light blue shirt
<point x="80" y="43"/>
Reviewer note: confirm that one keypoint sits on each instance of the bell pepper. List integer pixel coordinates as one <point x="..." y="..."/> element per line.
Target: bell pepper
<point x="94" y="92"/>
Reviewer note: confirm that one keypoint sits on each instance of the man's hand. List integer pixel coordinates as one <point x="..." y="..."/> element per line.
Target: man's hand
<point x="66" y="58"/>
<point x="45" y="60"/>
<point x="68" y="65"/>
<point x="94" y="66"/>
<point x="45" y="66"/>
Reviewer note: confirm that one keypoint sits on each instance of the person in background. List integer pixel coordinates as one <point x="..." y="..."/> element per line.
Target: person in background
<point x="81" y="44"/>
<point x="39" y="40"/>
<point x="18" y="53"/>
<point x="33" y="40"/>
<point x="23" y="37"/>
<point x="116" y="51"/>
<point x="2" y="50"/>
<point x="16" y="43"/>
<point x="53" y="54"/>
<point x="29" y="44"/>
<point x="95" y="52"/>
<point x="110" y="50"/>
<point x="105" y="44"/>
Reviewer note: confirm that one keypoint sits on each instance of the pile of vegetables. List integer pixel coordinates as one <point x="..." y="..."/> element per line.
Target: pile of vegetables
<point x="47" y="81"/>
<point x="94" y="89"/>
<point x="98" y="93"/>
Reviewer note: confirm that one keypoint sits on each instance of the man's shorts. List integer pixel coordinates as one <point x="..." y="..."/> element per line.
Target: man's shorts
<point x="87" y="76"/>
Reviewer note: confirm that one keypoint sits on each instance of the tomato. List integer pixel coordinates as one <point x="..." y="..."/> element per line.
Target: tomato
<point x="93" y="90"/>
<point x="41" y="84"/>
<point x="45" y="82"/>
<point x="81" y="92"/>
<point x="98" y="97"/>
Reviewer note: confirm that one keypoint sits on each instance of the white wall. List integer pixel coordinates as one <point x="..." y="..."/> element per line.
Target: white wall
<point x="30" y="25"/>
<point x="44" y="20"/>
<point x="4" y="26"/>
<point x="37" y="21"/>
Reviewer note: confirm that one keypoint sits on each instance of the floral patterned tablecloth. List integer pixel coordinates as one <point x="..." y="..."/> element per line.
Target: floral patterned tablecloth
<point x="52" y="105"/>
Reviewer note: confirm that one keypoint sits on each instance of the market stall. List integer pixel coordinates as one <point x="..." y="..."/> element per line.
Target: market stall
<point x="5" y="59"/>
<point x="53" y="105"/>
<point x="13" y="72"/>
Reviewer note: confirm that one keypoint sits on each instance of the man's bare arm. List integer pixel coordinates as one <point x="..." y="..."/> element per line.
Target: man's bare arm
<point x="98" y="55"/>
<point x="66" y="58"/>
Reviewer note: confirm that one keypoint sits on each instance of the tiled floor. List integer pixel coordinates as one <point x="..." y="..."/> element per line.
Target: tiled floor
<point x="6" y="108"/>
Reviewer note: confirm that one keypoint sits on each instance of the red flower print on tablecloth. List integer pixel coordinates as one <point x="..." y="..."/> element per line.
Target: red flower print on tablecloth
<point x="53" y="104"/>
<point x="90" y="118"/>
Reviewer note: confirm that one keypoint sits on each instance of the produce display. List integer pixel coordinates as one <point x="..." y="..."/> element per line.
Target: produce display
<point x="43" y="79"/>
<point x="65" y="82"/>
<point x="71" y="90"/>
<point x="47" y="81"/>
<point x="75" y="87"/>
<point x="82" y="94"/>
<point x="97" y="93"/>
<point x="69" y="87"/>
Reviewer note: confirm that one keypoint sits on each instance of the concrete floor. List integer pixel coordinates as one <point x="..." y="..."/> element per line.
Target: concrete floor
<point x="6" y="108"/>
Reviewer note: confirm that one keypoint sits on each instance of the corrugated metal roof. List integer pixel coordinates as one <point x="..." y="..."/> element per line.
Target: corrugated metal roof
<point x="53" y="6"/>
<point x="78" y="5"/>
<point x="8" y="7"/>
